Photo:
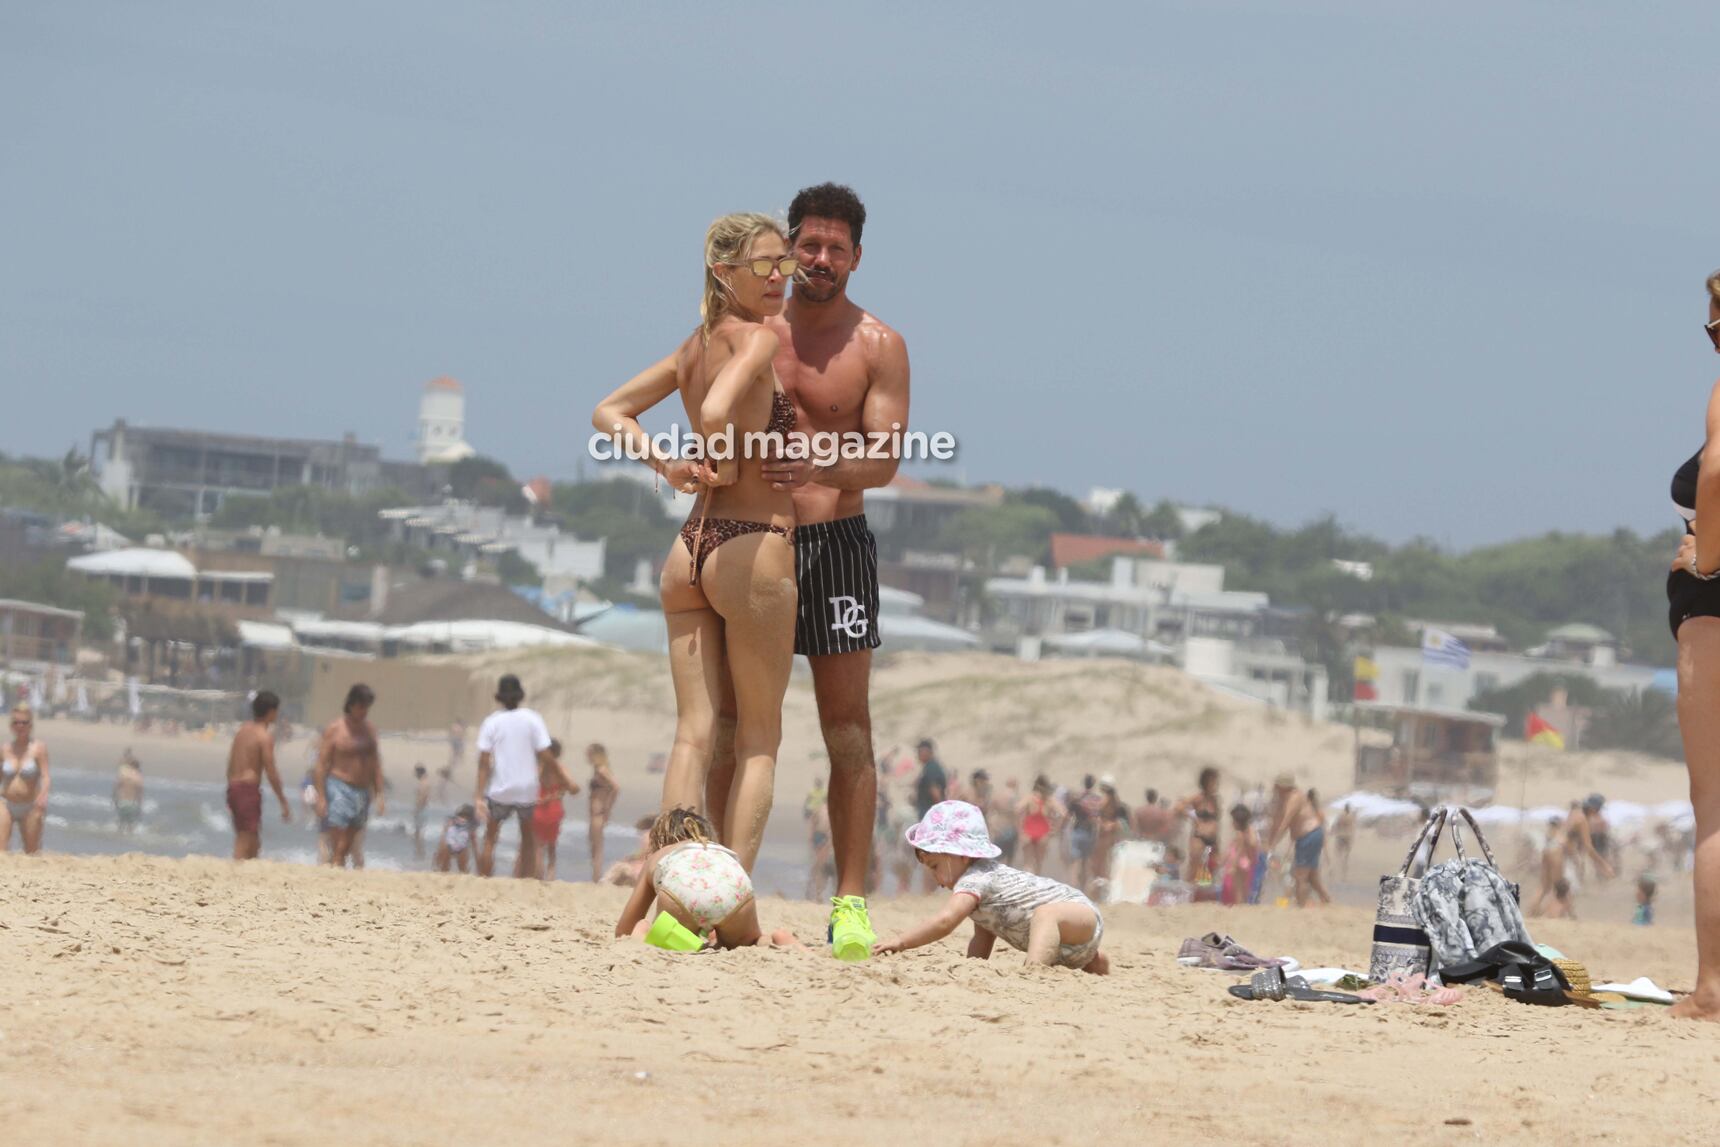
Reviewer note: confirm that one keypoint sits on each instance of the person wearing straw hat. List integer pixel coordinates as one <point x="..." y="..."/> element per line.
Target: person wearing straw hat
<point x="1054" y="924"/>
<point x="1292" y="812"/>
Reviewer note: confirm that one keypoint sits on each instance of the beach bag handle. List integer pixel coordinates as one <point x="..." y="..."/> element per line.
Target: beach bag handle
<point x="1434" y="826"/>
<point x="1457" y="838"/>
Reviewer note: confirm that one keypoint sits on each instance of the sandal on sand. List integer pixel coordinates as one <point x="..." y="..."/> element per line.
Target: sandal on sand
<point x="1221" y="953"/>
<point x="1272" y="984"/>
<point x="1404" y="988"/>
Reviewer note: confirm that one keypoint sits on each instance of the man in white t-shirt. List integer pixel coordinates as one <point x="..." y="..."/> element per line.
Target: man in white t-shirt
<point x="512" y="745"/>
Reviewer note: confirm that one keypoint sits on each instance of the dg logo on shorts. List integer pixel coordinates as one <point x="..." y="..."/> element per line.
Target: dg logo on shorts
<point x="836" y="572"/>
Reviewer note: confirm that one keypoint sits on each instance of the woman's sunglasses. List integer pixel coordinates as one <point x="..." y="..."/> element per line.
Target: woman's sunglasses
<point x="1713" y="330"/>
<point x="787" y="266"/>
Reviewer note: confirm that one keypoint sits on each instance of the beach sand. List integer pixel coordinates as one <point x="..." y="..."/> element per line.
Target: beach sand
<point x="202" y="1002"/>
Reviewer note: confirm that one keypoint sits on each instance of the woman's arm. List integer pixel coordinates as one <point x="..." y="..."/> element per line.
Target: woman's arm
<point x="959" y="908"/>
<point x="1708" y="491"/>
<point x="979" y="948"/>
<point x="633" y="398"/>
<point x="717" y="412"/>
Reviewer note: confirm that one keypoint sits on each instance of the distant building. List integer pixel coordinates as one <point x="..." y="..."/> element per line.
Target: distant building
<point x="471" y="531"/>
<point x="1173" y="611"/>
<point x="33" y="634"/>
<point x="909" y="514"/>
<point x="1068" y="550"/>
<point x="190" y="473"/>
<point x="1405" y="678"/>
<point x="442" y="423"/>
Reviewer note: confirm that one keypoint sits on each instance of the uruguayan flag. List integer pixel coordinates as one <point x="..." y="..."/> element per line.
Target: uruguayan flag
<point x="1440" y="648"/>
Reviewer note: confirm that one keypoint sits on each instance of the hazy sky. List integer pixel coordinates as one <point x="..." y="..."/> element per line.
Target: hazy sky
<point x="1437" y="272"/>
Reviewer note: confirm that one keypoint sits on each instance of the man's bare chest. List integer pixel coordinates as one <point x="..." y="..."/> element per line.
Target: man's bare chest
<point x="830" y="392"/>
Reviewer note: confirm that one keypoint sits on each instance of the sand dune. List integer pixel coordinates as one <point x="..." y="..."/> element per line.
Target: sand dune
<point x="199" y="1002"/>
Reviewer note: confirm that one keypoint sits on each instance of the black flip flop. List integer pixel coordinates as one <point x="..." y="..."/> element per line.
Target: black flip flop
<point x="1272" y="984"/>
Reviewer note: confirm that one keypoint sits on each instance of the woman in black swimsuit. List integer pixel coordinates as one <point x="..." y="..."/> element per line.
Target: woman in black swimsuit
<point x="1693" y="590"/>
<point x="1203" y="806"/>
<point x="728" y="586"/>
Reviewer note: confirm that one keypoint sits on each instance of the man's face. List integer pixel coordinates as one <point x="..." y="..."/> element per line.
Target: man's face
<point x="925" y="754"/>
<point x="358" y="712"/>
<point x="827" y="254"/>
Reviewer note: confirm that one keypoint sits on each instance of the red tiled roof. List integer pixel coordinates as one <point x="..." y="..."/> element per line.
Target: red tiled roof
<point x="1077" y="549"/>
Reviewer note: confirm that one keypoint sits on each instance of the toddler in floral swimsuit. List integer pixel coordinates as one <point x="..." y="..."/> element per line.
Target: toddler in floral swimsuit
<point x="1050" y="921"/>
<point x="700" y="883"/>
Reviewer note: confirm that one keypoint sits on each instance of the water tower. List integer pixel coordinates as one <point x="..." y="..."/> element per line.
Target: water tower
<point x="442" y="423"/>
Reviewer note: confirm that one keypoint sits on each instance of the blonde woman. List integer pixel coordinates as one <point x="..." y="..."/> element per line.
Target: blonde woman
<point x="728" y="586"/>
<point x="23" y="783"/>
<point x="1693" y="590"/>
<point x="605" y="791"/>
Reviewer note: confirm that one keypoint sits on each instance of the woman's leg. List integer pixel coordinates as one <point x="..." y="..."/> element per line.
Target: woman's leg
<point x="598" y="822"/>
<point x="750" y="583"/>
<point x="1699" y="721"/>
<point x="5" y="828"/>
<point x="34" y="821"/>
<point x="1054" y="925"/>
<point x="695" y="664"/>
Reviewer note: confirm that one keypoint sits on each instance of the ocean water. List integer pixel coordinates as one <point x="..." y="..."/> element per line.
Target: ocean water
<point x="190" y="818"/>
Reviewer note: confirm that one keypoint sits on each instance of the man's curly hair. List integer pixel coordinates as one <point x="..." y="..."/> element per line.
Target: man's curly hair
<point x="828" y="201"/>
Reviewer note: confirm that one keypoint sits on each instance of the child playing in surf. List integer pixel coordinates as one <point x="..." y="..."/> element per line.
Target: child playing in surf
<point x="698" y="882"/>
<point x="1056" y="925"/>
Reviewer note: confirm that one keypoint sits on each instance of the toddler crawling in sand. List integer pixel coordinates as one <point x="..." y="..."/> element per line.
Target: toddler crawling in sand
<point x="1053" y="923"/>
<point x="700" y="883"/>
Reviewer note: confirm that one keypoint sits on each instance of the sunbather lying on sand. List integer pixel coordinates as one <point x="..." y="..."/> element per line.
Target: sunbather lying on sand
<point x="1052" y="922"/>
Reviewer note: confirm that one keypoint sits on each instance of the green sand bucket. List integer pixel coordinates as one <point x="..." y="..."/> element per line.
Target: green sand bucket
<point x="671" y="935"/>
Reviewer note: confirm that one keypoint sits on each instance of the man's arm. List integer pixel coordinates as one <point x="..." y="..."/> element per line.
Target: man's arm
<point x="325" y="760"/>
<point x="1281" y="822"/>
<point x="376" y="792"/>
<point x="275" y="777"/>
<point x="885" y="411"/>
<point x="478" y="801"/>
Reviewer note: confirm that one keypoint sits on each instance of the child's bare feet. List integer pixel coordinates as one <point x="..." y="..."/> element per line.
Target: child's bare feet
<point x="783" y="938"/>
<point x="1098" y="965"/>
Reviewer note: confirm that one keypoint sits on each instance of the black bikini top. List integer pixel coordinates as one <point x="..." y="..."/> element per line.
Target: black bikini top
<point x="1684" y="486"/>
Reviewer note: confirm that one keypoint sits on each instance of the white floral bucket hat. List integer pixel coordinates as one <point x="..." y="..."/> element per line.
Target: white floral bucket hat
<point x="954" y="828"/>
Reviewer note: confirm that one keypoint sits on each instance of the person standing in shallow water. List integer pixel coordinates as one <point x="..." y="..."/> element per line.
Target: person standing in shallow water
<point x="1693" y="593"/>
<point x="252" y="758"/>
<point x="24" y="783"/>
<point x="845" y="371"/>
<point x="349" y="777"/>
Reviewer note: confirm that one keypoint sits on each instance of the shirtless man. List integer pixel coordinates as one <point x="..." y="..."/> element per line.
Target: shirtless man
<point x="349" y="775"/>
<point x="1569" y="843"/>
<point x="846" y="372"/>
<point x="252" y="758"/>
<point x="1153" y="821"/>
<point x="128" y="793"/>
<point x="1293" y="813"/>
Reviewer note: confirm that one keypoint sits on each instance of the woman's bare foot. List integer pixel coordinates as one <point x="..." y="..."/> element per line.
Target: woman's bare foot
<point x="1698" y="1006"/>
